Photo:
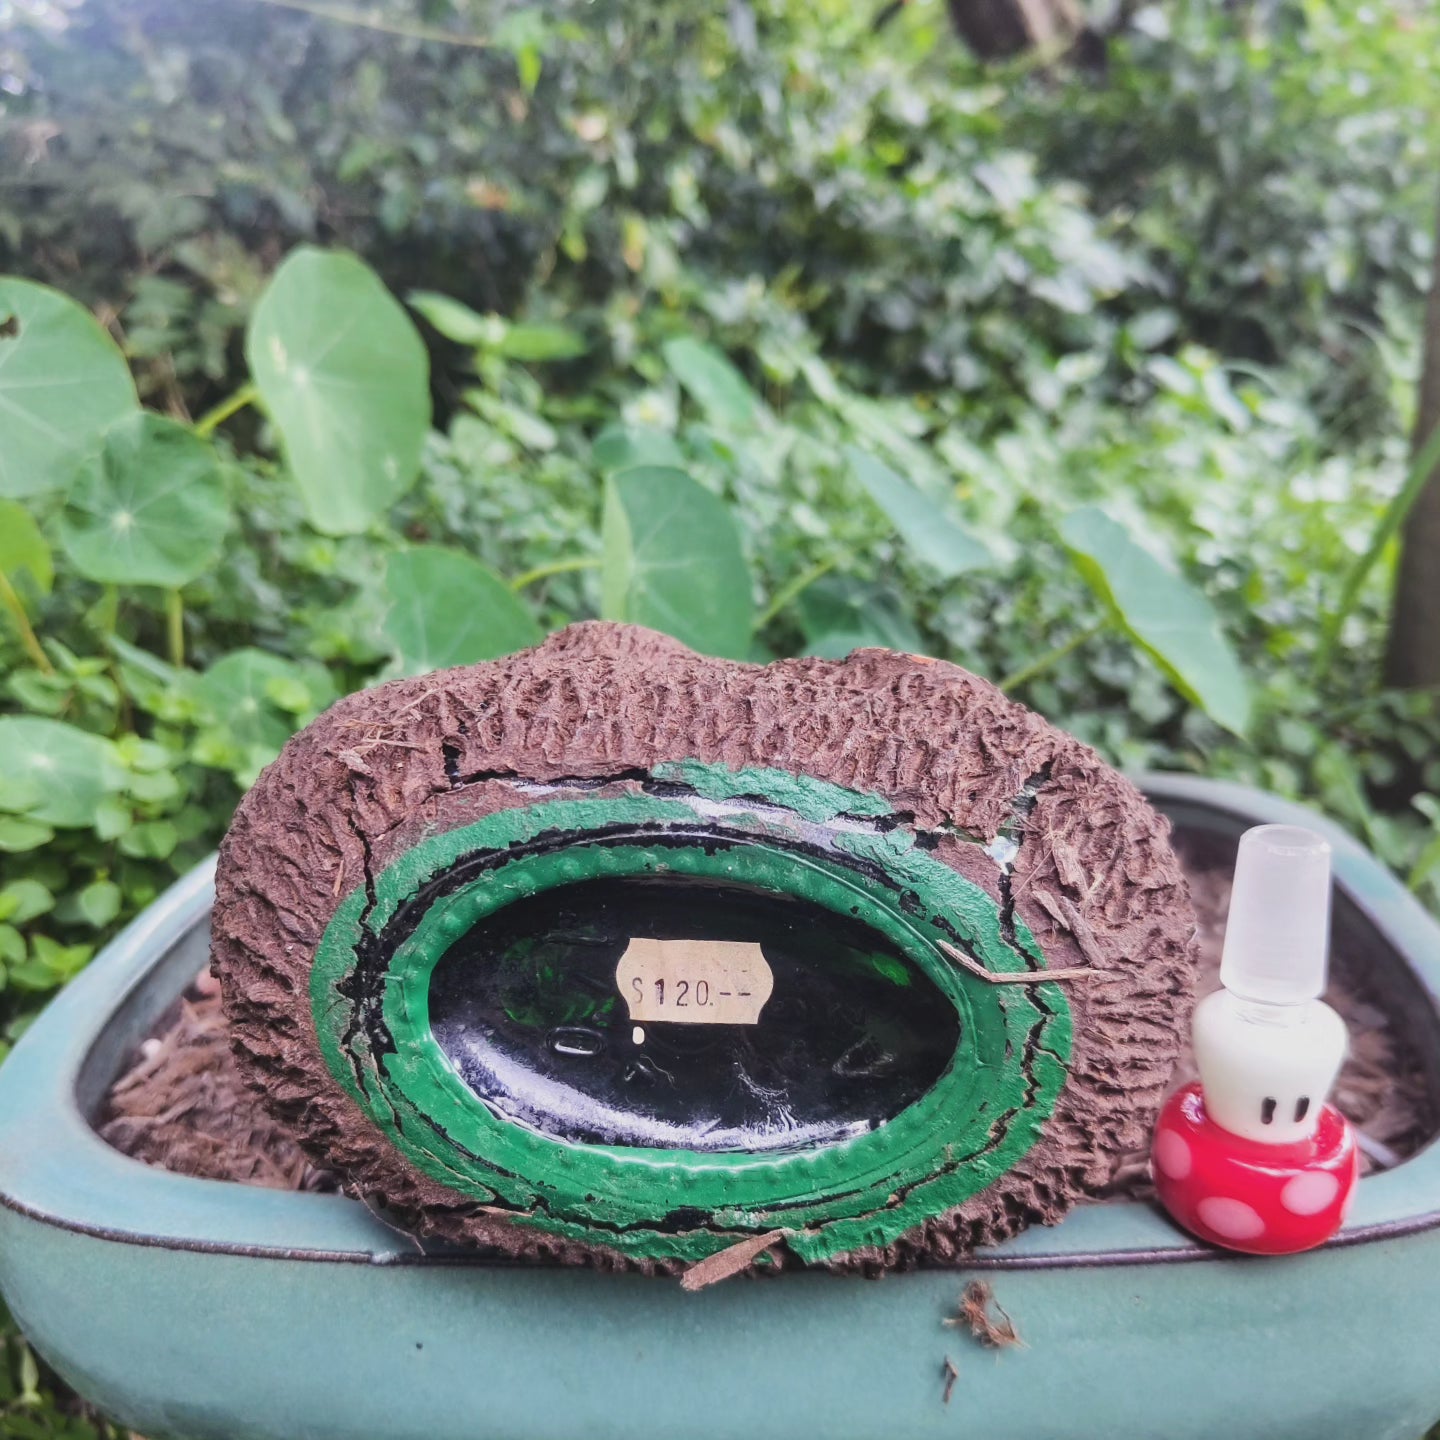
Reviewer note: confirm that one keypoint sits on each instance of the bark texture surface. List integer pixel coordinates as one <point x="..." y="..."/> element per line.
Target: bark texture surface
<point x="1094" y="878"/>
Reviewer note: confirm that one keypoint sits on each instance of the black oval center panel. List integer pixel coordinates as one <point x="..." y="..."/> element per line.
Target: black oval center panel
<point x="526" y="1007"/>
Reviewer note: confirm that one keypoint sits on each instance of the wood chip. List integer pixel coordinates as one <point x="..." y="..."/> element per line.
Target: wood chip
<point x="725" y="1263"/>
<point x="1019" y="977"/>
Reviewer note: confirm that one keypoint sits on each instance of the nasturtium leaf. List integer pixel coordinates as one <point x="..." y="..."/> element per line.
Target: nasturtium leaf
<point x="623" y="447"/>
<point x="673" y="561"/>
<point x="447" y="609"/>
<point x="928" y="529"/>
<point x="713" y="383"/>
<point x="71" y="769"/>
<point x="342" y="372"/>
<point x="23" y="549"/>
<point x="62" y="381"/>
<point x="1169" y="619"/>
<point x="19" y="794"/>
<point x="147" y="508"/>
<point x="234" y="691"/>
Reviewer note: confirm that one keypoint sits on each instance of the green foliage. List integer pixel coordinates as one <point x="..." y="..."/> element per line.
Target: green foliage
<point x="713" y="383"/>
<point x="341" y="371"/>
<point x="1382" y="537"/>
<point x="62" y="381"/>
<point x="673" y="561"/>
<point x="55" y="774"/>
<point x="445" y="609"/>
<point x="25" y="559"/>
<point x="935" y="538"/>
<point x="1173" y="623"/>
<point x="148" y="508"/>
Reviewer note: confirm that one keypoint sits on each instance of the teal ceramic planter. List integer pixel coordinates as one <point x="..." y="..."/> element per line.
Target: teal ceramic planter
<point x="192" y="1308"/>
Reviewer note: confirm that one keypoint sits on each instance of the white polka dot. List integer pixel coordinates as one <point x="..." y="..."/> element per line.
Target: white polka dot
<point x="1172" y="1155"/>
<point x="1230" y="1219"/>
<point x="1309" y="1194"/>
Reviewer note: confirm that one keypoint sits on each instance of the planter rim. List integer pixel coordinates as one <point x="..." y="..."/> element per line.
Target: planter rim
<point x="55" y="1169"/>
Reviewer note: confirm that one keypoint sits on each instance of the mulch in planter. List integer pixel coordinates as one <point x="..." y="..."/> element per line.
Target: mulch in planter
<point x="182" y="1103"/>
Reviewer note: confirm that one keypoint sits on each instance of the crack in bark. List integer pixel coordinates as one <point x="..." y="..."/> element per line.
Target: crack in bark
<point x="1021" y="808"/>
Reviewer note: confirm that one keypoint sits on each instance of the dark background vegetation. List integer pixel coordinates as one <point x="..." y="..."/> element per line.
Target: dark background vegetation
<point x="1178" y="270"/>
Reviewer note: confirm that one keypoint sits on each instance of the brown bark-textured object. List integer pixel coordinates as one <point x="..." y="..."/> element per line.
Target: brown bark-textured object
<point x="904" y="769"/>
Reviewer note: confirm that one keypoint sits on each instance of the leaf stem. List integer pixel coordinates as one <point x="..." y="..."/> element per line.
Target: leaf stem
<point x="175" y="627"/>
<point x="343" y="15"/>
<point x="211" y="420"/>
<point x="1051" y="658"/>
<point x="555" y="567"/>
<point x="793" y="587"/>
<point x="1427" y="458"/>
<point x="28" y="638"/>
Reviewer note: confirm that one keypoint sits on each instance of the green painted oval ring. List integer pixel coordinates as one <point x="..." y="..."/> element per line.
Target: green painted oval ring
<point x="1007" y="1071"/>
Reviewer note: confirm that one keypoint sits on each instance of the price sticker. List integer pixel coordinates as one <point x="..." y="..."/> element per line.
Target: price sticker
<point x="694" y="982"/>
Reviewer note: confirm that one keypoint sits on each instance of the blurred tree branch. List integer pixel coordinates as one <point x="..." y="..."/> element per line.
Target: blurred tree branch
<point x="996" y="29"/>
<point x="1414" y="650"/>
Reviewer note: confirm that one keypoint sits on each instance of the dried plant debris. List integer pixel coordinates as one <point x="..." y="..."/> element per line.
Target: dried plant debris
<point x="951" y="1375"/>
<point x="985" y="1318"/>
<point x="730" y="1261"/>
<point x="183" y="1105"/>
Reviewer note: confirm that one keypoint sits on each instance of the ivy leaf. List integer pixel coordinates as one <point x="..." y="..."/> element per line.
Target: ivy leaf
<point x="623" y="447"/>
<point x="673" y="561"/>
<point x="343" y="374"/>
<point x="933" y="536"/>
<point x="447" y="609"/>
<point x="71" y="770"/>
<point x="62" y="381"/>
<point x="1169" y="619"/>
<point x="713" y="383"/>
<point x="23" y="550"/>
<point x="149" y="508"/>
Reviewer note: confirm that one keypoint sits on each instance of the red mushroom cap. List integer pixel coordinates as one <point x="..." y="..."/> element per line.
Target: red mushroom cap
<point x="1245" y="1195"/>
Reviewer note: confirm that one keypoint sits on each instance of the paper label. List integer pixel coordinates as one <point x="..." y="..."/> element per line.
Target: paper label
<point x="694" y="982"/>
